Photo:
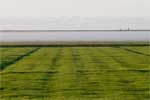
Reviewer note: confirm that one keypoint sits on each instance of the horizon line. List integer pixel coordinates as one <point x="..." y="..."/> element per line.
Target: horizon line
<point x="71" y="30"/>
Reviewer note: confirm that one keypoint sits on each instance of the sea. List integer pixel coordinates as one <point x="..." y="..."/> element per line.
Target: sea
<point x="8" y="36"/>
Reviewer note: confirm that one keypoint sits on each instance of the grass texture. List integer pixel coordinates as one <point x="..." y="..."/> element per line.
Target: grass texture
<point x="75" y="73"/>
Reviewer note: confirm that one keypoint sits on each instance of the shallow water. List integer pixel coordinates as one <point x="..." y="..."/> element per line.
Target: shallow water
<point x="76" y="36"/>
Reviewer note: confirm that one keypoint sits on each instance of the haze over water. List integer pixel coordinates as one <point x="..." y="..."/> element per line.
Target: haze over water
<point x="76" y="36"/>
<point x="75" y="23"/>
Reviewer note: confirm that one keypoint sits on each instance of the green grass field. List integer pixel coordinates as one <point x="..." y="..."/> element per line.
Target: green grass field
<point x="75" y="73"/>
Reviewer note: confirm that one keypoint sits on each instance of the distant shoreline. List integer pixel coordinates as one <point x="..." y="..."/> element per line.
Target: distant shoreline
<point x="67" y="30"/>
<point x="72" y="44"/>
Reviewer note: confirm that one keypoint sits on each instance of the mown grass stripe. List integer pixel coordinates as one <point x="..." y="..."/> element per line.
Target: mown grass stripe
<point x="8" y="55"/>
<point x="88" y="72"/>
<point x="63" y="81"/>
<point x="80" y="74"/>
<point x="3" y="66"/>
<point x="120" y="80"/>
<point x="48" y="76"/>
<point x="40" y="78"/>
<point x="98" y="54"/>
<point x="128" y="59"/>
<point x="105" y="81"/>
<point x="129" y="83"/>
<point x="133" y="51"/>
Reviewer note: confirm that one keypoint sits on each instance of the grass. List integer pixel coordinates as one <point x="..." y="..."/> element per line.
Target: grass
<point x="9" y="56"/>
<point x="77" y="73"/>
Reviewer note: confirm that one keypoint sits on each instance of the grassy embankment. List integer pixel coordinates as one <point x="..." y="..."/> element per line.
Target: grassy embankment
<point x="75" y="73"/>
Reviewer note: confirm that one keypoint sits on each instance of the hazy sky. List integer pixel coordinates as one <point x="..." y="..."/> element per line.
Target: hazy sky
<point x="47" y="8"/>
<point x="47" y="14"/>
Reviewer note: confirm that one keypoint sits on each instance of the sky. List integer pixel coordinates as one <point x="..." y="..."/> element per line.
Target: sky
<point x="74" y="14"/>
<point x="48" y="8"/>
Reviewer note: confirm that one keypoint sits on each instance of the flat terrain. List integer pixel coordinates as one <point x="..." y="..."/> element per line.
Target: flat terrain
<point x="75" y="73"/>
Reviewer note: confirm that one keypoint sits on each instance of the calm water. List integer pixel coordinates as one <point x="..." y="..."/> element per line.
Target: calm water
<point x="76" y="36"/>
